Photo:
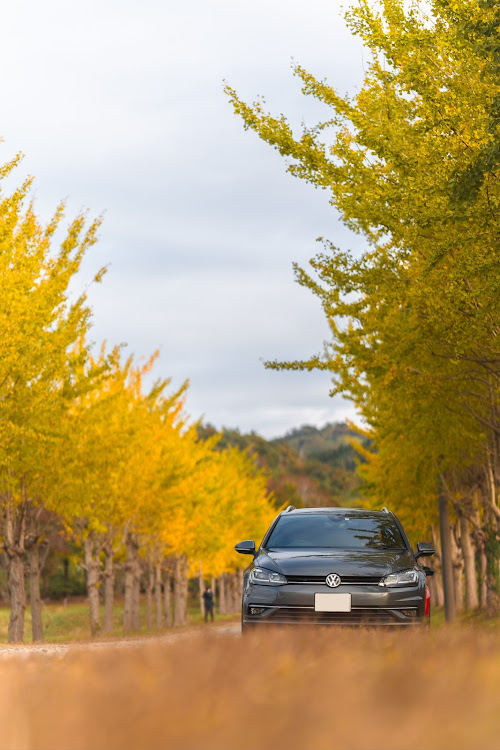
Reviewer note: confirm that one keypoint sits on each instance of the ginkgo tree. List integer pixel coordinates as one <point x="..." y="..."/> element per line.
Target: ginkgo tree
<point x="89" y="449"/>
<point x="411" y="163"/>
<point x="39" y="325"/>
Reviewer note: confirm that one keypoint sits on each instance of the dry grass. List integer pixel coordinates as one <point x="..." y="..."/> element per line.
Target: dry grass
<point x="314" y="690"/>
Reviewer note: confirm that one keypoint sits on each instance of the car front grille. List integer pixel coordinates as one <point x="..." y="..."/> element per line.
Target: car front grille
<point x="357" y="616"/>
<point x="345" y="580"/>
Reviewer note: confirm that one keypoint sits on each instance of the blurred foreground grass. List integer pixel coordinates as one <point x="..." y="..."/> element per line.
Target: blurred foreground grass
<point x="298" y="689"/>
<point x="64" y="623"/>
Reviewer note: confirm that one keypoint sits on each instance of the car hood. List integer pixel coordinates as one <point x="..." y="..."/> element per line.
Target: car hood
<point x="343" y="562"/>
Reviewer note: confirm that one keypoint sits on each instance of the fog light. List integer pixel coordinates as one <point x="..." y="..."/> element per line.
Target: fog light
<point x="257" y="610"/>
<point x="410" y="612"/>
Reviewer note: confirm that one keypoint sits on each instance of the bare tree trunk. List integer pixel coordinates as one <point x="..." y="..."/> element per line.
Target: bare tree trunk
<point x="457" y="572"/>
<point x="237" y="590"/>
<point x="35" y="598"/>
<point x="446" y="561"/>
<point x="15" y="574"/>
<point x="240" y="589"/>
<point x="131" y="615"/>
<point x="230" y="593"/>
<point x="201" y="585"/>
<point x="129" y="586"/>
<point x="150" y="584"/>
<point x="222" y="595"/>
<point x="136" y="593"/>
<point x="93" y="568"/>
<point x="491" y="521"/>
<point x="471" y="598"/>
<point x="180" y="591"/>
<point x="158" y="600"/>
<point x="482" y="574"/>
<point x="109" y="588"/>
<point x="167" y="600"/>
<point x="13" y="543"/>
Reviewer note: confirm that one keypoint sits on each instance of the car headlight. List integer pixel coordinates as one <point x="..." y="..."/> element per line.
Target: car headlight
<point x="269" y="577"/>
<point x="402" y="578"/>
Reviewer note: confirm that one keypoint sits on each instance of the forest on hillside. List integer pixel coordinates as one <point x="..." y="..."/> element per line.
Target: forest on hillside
<point x="307" y="467"/>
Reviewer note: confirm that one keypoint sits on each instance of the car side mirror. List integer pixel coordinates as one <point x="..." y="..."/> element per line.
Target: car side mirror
<point x="246" y="548"/>
<point x="424" y="550"/>
<point x="427" y="571"/>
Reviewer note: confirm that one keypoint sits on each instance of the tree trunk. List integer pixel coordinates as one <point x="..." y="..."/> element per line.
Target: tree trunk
<point x="93" y="568"/>
<point x="482" y="576"/>
<point x="167" y="600"/>
<point x="150" y="584"/>
<point x="471" y="598"/>
<point x="201" y="586"/>
<point x="136" y="593"/>
<point x="13" y="544"/>
<point x="180" y="591"/>
<point x="129" y="585"/>
<point x="35" y="599"/>
<point x="109" y="588"/>
<point x="232" y="592"/>
<point x="237" y="590"/>
<point x="131" y="617"/>
<point x="240" y="589"/>
<point x="222" y="595"/>
<point x="15" y="573"/>
<point x="446" y="561"/>
<point x="458" y="565"/>
<point x="491" y="542"/>
<point x="158" y="601"/>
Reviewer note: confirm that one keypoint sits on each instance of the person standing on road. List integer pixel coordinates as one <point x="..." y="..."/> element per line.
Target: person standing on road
<point x="208" y="603"/>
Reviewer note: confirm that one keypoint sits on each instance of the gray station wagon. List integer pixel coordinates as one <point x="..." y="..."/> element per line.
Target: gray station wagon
<point x="335" y="566"/>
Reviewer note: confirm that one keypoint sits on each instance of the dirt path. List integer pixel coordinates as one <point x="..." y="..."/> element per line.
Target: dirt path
<point x="60" y="649"/>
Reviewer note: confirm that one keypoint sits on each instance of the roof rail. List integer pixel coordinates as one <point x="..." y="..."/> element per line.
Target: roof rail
<point x="290" y="507"/>
<point x="385" y="510"/>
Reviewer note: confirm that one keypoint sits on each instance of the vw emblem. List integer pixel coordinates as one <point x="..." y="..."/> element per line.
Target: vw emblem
<point x="333" y="580"/>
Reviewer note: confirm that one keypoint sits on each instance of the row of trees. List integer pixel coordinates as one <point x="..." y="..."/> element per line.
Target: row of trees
<point x="86" y="446"/>
<point x="412" y="163"/>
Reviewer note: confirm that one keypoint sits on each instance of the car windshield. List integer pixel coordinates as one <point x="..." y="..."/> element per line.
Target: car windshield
<point x="335" y="531"/>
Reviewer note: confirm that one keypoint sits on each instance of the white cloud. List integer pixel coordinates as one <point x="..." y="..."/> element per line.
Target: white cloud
<point x="119" y="105"/>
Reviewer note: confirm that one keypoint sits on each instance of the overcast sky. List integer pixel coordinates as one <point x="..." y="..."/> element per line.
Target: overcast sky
<point x="119" y="107"/>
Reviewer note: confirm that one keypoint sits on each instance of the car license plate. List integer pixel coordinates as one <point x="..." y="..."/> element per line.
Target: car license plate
<point x="332" y="602"/>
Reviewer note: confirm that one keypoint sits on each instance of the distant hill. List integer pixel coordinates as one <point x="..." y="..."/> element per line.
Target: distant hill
<point x="307" y="467"/>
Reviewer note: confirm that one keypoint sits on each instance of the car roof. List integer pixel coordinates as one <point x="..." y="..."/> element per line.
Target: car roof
<point x="345" y="511"/>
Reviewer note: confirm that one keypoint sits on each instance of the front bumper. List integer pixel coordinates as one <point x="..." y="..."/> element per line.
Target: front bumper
<point x="371" y="605"/>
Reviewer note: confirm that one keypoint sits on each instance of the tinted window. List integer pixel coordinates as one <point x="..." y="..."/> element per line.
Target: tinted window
<point x="335" y="531"/>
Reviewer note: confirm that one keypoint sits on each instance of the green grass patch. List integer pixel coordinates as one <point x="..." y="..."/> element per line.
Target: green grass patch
<point x="70" y="621"/>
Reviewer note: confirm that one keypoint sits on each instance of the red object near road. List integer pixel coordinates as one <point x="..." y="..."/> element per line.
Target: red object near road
<point x="427" y="602"/>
